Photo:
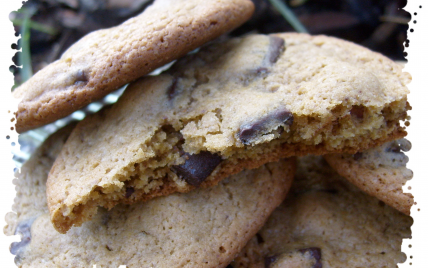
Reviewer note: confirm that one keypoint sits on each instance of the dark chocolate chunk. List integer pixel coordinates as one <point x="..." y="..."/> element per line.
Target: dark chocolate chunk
<point x="269" y="260"/>
<point x="251" y="131"/>
<point x="315" y="253"/>
<point x="197" y="167"/>
<point x="171" y="89"/>
<point x="276" y="47"/>
<point x="80" y="76"/>
<point x="23" y="228"/>
<point x="129" y="191"/>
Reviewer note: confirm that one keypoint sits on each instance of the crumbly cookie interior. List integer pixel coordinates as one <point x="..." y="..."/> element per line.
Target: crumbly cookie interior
<point x="248" y="101"/>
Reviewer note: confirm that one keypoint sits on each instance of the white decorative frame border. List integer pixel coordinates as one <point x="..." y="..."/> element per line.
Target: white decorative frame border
<point x="417" y="66"/>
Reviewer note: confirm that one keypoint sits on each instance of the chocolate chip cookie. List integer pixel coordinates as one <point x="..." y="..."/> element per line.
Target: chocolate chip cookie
<point x="30" y="201"/>
<point x="105" y="60"/>
<point x="380" y="172"/>
<point x="234" y="105"/>
<point x="326" y="221"/>
<point x="204" y="228"/>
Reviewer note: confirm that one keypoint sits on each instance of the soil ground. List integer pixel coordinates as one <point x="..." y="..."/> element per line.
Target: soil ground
<point x="380" y="25"/>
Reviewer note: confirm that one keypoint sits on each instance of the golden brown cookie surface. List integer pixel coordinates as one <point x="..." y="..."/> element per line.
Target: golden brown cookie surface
<point x="380" y="172"/>
<point x="107" y="59"/>
<point x="326" y="221"/>
<point x="204" y="228"/>
<point x="234" y="105"/>
<point x="30" y="182"/>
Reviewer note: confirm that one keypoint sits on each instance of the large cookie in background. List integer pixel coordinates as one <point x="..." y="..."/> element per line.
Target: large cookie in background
<point x="233" y="105"/>
<point x="326" y="221"/>
<point x="380" y="172"/>
<point x="204" y="228"/>
<point x="30" y="201"/>
<point x="107" y="59"/>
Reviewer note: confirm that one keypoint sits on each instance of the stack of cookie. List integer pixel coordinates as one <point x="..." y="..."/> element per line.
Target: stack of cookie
<point x="188" y="165"/>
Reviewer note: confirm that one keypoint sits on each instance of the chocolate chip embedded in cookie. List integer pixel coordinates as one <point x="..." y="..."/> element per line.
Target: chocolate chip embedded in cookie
<point x="380" y="172"/>
<point x="197" y="167"/>
<point x="326" y="221"/>
<point x="249" y="132"/>
<point x="107" y="59"/>
<point x="204" y="228"/>
<point x="217" y="104"/>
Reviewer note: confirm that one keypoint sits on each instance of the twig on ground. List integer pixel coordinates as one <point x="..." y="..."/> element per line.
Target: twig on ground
<point x="289" y="15"/>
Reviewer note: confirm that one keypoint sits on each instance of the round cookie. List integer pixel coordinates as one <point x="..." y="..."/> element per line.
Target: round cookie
<point x="380" y="172"/>
<point x="105" y="60"/>
<point x="30" y="201"/>
<point x="327" y="222"/>
<point x="233" y="105"/>
<point x="204" y="228"/>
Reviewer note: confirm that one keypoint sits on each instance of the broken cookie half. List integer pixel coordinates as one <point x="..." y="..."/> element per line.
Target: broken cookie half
<point x="204" y="228"/>
<point x="234" y="105"/>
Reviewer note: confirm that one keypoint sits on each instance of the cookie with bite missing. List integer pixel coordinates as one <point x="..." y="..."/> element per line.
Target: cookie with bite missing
<point x="326" y="221"/>
<point x="233" y="105"/>
<point x="107" y="59"/>
<point x="204" y="228"/>
<point x="380" y="172"/>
